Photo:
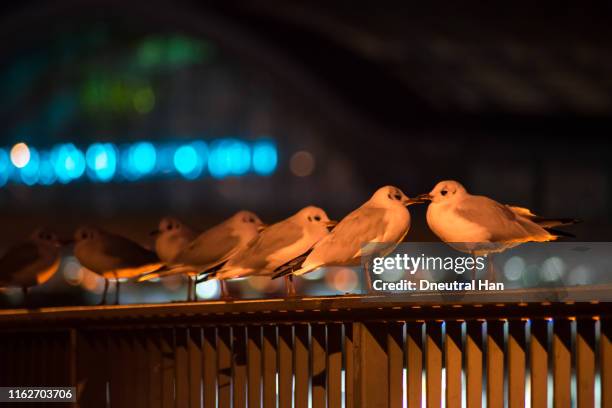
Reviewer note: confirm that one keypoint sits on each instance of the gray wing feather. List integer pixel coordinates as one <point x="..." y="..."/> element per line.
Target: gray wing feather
<point x="125" y="252"/>
<point x="212" y="246"/>
<point x="500" y="221"/>
<point x="345" y="242"/>
<point x="271" y="240"/>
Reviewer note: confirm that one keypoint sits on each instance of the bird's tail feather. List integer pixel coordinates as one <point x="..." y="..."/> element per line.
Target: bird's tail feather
<point x="166" y="270"/>
<point x="290" y="266"/>
<point x="559" y="233"/>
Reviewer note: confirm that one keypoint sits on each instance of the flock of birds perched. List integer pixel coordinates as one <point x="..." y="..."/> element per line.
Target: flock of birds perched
<point x="243" y="245"/>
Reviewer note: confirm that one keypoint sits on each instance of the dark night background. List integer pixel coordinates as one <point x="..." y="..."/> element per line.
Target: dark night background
<point x="513" y="99"/>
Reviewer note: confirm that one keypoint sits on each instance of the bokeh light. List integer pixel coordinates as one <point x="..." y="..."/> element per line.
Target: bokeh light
<point x="342" y="279"/>
<point x="514" y="268"/>
<point x="265" y="157"/>
<point x="553" y="269"/>
<point x="30" y="172"/>
<point x="142" y="157"/>
<point x="189" y="159"/>
<point x="4" y="167"/>
<point x="229" y="157"/>
<point x="20" y="155"/>
<point x="101" y="161"/>
<point x="68" y="161"/>
<point x="302" y="163"/>
<point x="208" y="290"/>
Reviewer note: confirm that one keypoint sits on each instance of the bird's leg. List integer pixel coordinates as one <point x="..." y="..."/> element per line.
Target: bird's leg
<point x="189" y="288"/>
<point x="224" y="291"/>
<point x="118" y="286"/>
<point x="474" y="267"/>
<point x="368" y="277"/>
<point x="289" y="285"/>
<point x="103" y="301"/>
<point x="194" y="282"/>
<point x="490" y="269"/>
<point x="24" y="290"/>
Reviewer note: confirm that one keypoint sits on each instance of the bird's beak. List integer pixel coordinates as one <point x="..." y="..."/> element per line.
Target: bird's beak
<point x="410" y="201"/>
<point x="154" y="233"/>
<point x="424" y="197"/>
<point x="331" y="223"/>
<point x="262" y="227"/>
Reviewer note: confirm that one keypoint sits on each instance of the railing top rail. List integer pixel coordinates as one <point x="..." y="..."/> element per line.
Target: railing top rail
<point x="308" y="309"/>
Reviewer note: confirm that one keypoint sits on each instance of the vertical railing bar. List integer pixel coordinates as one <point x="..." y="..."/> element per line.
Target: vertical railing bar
<point x="452" y="362"/>
<point x="562" y="347"/>
<point x="474" y="363"/>
<point x="585" y="362"/>
<point x="224" y="367"/>
<point x="334" y="365"/>
<point x="538" y="362"/>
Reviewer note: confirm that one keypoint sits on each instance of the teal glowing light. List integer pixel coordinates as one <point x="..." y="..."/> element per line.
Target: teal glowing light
<point x="30" y="172"/>
<point x="189" y="159"/>
<point x="47" y="171"/>
<point x="101" y="161"/>
<point x="142" y="157"/>
<point x="229" y="157"/>
<point x="68" y="161"/>
<point x="265" y="157"/>
<point x="4" y="167"/>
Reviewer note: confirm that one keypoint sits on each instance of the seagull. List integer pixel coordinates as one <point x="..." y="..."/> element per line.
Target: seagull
<point x="213" y="247"/>
<point x="275" y="246"/>
<point x="480" y="225"/>
<point x="171" y="238"/>
<point x="382" y="219"/>
<point x="32" y="262"/>
<point x="112" y="256"/>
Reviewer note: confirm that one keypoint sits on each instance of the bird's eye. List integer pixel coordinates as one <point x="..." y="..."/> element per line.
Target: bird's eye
<point x="252" y="220"/>
<point x="169" y="227"/>
<point x="84" y="235"/>
<point x="397" y="197"/>
<point x="309" y="218"/>
<point x="443" y="192"/>
<point x="317" y="218"/>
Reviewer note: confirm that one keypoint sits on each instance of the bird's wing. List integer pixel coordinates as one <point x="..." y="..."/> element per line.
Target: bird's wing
<point x="212" y="246"/>
<point x="344" y="244"/>
<point x="270" y="243"/>
<point x="501" y="222"/>
<point x="126" y="252"/>
<point x="17" y="258"/>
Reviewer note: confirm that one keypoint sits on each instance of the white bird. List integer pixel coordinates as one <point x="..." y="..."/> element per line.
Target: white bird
<point x="480" y="225"/>
<point x="112" y="256"/>
<point x="276" y="245"/>
<point x="32" y="262"/>
<point x="171" y="238"/>
<point x="213" y="247"/>
<point x="383" y="220"/>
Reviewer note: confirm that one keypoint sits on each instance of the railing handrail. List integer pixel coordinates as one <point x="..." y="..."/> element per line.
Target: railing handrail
<point x="309" y="309"/>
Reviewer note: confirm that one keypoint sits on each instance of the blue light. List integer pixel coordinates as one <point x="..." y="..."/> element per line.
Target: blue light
<point x="30" y="172"/>
<point x="4" y="167"/>
<point x="101" y="161"/>
<point x="240" y="157"/>
<point x="188" y="162"/>
<point x="68" y="161"/>
<point x="142" y="158"/>
<point x="265" y="157"/>
<point x="229" y="157"/>
<point x="46" y="170"/>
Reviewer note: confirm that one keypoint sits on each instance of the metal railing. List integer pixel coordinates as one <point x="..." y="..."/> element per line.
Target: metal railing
<point x="352" y="351"/>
